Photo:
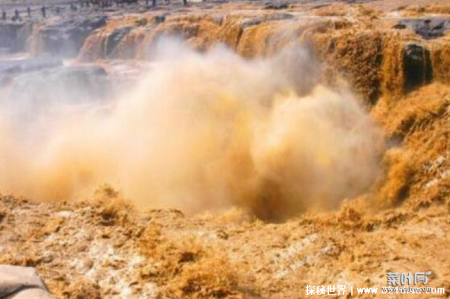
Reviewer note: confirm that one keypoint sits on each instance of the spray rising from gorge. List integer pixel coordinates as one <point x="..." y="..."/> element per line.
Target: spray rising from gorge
<point x="198" y="132"/>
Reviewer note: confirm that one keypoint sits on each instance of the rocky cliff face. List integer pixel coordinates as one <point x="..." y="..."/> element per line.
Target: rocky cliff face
<point x="380" y="53"/>
<point x="14" y="37"/>
<point x="64" y="39"/>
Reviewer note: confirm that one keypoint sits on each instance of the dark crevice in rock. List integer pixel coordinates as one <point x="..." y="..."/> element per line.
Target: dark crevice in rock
<point x="417" y="67"/>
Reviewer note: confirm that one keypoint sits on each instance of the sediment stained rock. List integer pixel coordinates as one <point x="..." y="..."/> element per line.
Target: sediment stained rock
<point x="377" y="59"/>
<point x="64" y="39"/>
<point x="417" y="66"/>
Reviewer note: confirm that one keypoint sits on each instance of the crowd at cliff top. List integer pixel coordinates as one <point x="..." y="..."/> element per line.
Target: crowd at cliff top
<point x="18" y="14"/>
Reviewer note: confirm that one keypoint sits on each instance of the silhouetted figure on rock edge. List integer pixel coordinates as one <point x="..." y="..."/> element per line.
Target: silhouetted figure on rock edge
<point x="16" y="16"/>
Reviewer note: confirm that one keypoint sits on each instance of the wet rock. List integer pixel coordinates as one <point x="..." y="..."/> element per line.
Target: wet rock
<point x="271" y="17"/>
<point x="429" y="28"/>
<point x="276" y="5"/>
<point x="221" y="234"/>
<point x="13" y="37"/>
<point x="64" y="39"/>
<point x="11" y="68"/>
<point x="400" y="26"/>
<point x="32" y="95"/>
<point x="159" y="19"/>
<point x="8" y="67"/>
<point x="115" y="38"/>
<point x="3" y="215"/>
<point x="417" y="67"/>
<point x="8" y="32"/>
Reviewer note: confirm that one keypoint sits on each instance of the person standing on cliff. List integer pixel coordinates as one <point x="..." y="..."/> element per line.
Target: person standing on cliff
<point x="29" y="11"/>
<point x="16" y="15"/>
<point x="4" y="15"/>
<point x="43" y="11"/>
